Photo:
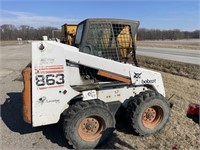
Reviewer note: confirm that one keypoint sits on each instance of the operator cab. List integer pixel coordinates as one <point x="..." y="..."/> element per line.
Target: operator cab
<point x="113" y="39"/>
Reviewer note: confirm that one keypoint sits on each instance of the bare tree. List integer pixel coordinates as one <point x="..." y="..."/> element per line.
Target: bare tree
<point x="11" y="32"/>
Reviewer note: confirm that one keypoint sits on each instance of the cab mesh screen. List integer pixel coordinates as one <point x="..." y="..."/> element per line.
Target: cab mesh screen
<point x="111" y="41"/>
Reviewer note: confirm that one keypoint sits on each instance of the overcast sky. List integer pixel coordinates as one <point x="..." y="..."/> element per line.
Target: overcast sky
<point x="160" y="14"/>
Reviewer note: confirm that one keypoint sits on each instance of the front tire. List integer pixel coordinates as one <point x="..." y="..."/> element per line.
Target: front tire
<point x="88" y="124"/>
<point x="148" y="112"/>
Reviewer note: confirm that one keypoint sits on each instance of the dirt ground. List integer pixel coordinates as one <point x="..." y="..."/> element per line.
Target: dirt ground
<point x="180" y="132"/>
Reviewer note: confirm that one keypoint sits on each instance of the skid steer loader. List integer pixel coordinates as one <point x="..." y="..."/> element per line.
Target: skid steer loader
<point x="68" y="32"/>
<point x="87" y="84"/>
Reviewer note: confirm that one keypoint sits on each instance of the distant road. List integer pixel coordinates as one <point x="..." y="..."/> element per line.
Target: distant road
<point x="181" y="55"/>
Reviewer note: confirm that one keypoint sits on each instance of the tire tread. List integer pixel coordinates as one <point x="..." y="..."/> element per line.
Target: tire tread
<point x="74" y="109"/>
<point x="134" y="106"/>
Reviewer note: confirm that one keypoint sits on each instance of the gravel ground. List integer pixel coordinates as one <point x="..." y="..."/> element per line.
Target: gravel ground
<point x="180" y="132"/>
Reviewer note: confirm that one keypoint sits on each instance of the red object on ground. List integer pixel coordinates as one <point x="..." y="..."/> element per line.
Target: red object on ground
<point x="193" y="109"/>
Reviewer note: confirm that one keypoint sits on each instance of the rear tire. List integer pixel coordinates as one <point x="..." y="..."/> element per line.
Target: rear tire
<point x="148" y="112"/>
<point x="88" y="124"/>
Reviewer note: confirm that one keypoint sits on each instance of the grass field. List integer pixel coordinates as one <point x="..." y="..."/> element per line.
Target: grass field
<point x="177" y="68"/>
<point x="180" y="44"/>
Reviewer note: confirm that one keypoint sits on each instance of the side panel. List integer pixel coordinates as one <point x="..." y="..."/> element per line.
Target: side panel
<point x="50" y="86"/>
<point x="138" y="76"/>
<point x="148" y="77"/>
<point x="119" y="94"/>
<point x="52" y="77"/>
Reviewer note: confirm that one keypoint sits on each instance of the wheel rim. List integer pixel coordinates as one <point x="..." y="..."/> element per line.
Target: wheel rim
<point x="90" y="128"/>
<point x="152" y="116"/>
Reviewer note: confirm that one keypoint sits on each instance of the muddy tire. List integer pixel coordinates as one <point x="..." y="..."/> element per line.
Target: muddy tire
<point x="88" y="124"/>
<point x="148" y="112"/>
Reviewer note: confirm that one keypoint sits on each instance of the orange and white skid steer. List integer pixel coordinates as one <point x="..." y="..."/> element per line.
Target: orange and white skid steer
<point x="89" y="82"/>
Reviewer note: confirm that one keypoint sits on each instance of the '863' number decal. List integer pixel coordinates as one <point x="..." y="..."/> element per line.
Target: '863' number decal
<point x="49" y="79"/>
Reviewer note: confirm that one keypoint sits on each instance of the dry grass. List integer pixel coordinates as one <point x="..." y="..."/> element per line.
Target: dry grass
<point x="177" y="68"/>
<point x="7" y="43"/>
<point x="193" y="44"/>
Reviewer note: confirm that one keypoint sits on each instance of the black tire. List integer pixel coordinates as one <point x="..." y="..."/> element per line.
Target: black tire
<point x="148" y="112"/>
<point x="88" y="124"/>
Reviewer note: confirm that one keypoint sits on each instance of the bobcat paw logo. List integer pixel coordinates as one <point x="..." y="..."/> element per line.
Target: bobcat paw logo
<point x="137" y="75"/>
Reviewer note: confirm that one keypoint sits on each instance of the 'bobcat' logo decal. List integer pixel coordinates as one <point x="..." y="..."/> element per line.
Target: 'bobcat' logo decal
<point x="137" y="75"/>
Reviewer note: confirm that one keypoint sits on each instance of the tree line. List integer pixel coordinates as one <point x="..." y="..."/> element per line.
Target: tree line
<point x="11" y="32"/>
<point x="156" y="34"/>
